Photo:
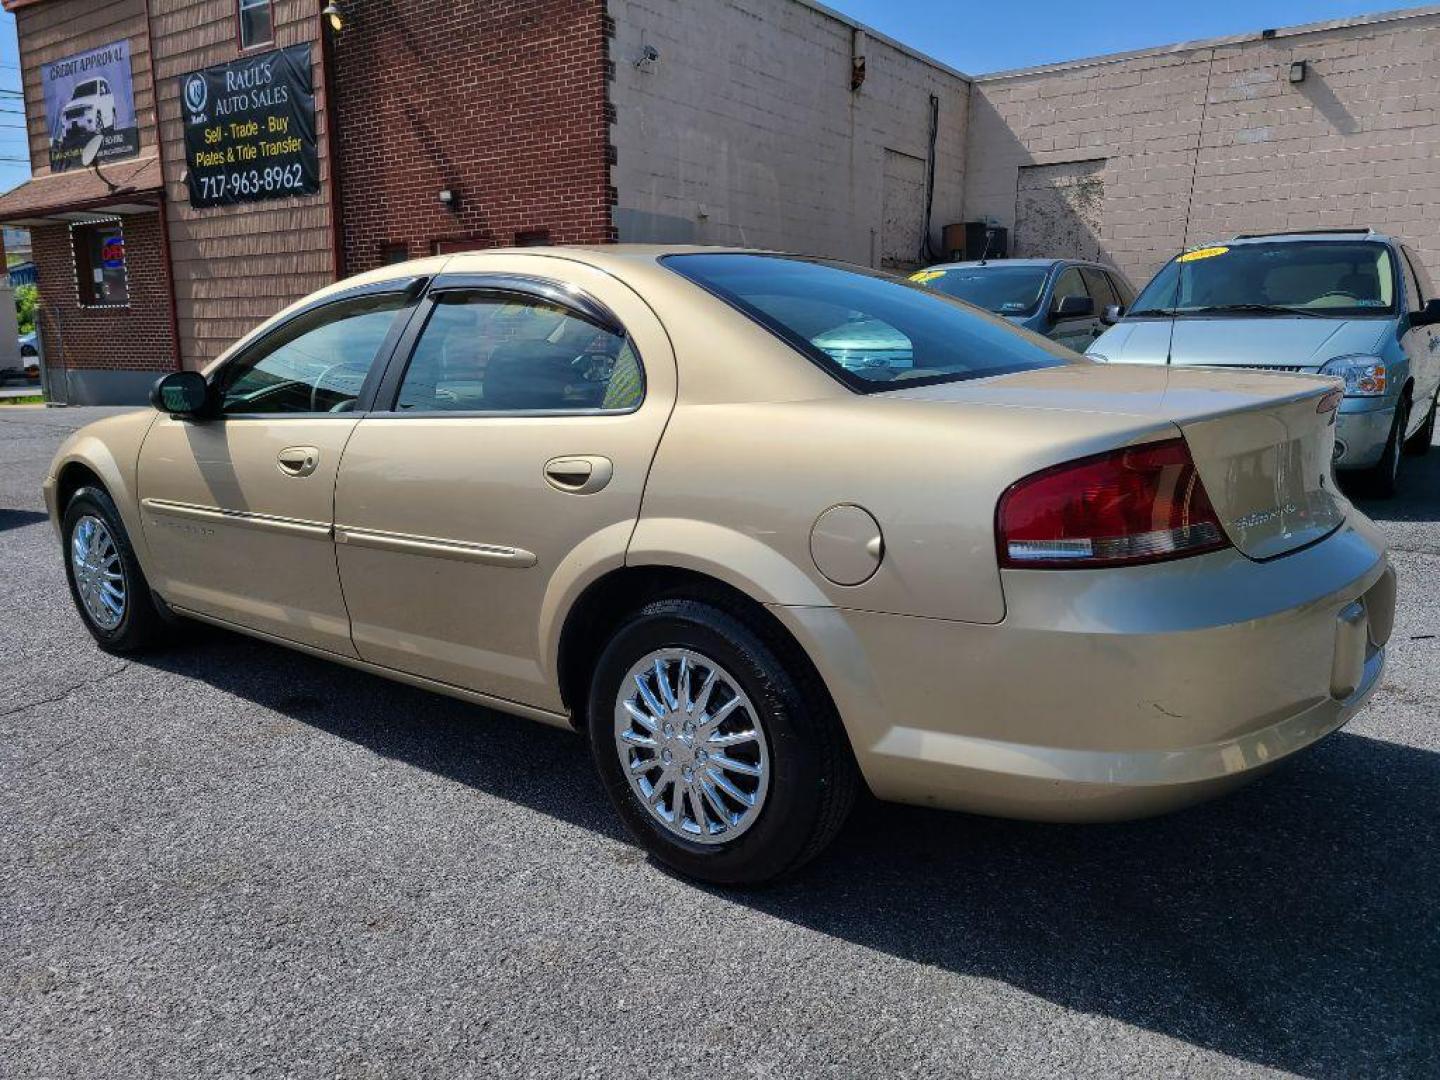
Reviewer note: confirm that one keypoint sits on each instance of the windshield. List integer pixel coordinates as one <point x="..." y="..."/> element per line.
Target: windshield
<point x="1005" y="290"/>
<point x="86" y="89"/>
<point x="870" y="330"/>
<point x="1342" y="279"/>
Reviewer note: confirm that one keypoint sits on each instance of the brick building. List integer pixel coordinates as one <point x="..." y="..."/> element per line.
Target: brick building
<point x="439" y="125"/>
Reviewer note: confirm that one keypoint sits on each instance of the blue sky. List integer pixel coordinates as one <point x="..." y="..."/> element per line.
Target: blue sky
<point x="973" y="36"/>
<point x="978" y="36"/>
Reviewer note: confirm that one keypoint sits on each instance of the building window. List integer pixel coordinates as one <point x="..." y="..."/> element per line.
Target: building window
<point x="257" y="23"/>
<point x="390" y="254"/>
<point x="100" y="276"/>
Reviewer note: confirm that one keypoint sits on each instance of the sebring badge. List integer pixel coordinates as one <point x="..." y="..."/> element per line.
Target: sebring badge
<point x="1263" y="517"/>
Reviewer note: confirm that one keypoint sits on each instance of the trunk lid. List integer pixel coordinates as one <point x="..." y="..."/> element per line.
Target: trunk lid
<point x="1262" y="443"/>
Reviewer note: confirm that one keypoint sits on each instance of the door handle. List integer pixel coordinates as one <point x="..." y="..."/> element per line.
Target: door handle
<point x="581" y="475"/>
<point x="298" y="460"/>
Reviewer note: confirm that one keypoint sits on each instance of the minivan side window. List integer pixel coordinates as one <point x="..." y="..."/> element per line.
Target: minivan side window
<point x="1417" y="280"/>
<point x="486" y="352"/>
<point x="315" y="363"/>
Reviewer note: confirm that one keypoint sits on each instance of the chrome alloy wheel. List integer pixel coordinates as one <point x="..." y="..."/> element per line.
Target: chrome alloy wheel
<point x="692" y="746"/>
<point x="99" y="575"/>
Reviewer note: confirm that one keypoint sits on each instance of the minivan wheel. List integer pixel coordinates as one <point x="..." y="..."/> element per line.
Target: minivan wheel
<point x="1382" y="480"/>
<point x="724" y="762"/>
<point x="106" y="582"/>
<point x="1419" y="444"/>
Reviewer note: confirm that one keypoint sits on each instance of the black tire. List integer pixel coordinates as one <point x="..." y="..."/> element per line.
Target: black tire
<point x="1418" y="445"/>
<point x="141" y="625"/>
<point x="1382" y="479"/>
<point x="812" y="777"/>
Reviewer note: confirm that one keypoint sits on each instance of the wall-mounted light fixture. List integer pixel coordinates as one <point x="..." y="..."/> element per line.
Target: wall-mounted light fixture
<point x="1298" y="71"/>
<point x="331" y="13"/>
<point x="447" y="199"/>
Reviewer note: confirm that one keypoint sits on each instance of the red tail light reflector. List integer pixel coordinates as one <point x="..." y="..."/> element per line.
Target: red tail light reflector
<point x="1139" y="505"/>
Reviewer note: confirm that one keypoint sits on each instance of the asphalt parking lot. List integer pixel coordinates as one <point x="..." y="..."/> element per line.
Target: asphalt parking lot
<point x="230" y="859"/>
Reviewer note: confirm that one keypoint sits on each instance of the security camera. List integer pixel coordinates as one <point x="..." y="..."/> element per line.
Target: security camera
<point x="648" y="55"/>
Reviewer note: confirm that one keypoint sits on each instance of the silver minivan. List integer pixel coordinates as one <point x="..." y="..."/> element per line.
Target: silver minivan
<point x="1349" y="303"/>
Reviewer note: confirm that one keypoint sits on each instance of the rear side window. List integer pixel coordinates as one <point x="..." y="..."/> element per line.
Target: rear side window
<point x="1122" y="289"/>
<point x="869" y="330"/>
<point x="489" y="352"/>
<point x="1098" y="282"/>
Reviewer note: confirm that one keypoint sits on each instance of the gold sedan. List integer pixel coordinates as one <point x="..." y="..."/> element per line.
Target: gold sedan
<point x="765" y="528"/>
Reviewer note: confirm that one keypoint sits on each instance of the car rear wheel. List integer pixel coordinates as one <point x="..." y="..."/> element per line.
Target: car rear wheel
<point x="106" y="582"/>
<point x="1419" y="443"/>
<point x="725" y="762"/>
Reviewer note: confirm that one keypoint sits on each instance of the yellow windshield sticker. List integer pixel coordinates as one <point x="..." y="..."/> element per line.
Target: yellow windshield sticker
<point x="1202" y="253"/>
<point x="924" y="276"/>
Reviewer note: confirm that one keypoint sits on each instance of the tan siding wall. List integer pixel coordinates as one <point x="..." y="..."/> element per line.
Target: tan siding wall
<point x="746" y="130"/>
<point x="1357" y="143"/>
<point x="52" y="31"/>
<point x="236" y="266"/>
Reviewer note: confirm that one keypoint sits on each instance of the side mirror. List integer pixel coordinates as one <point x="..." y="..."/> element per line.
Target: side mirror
<point x="181" y="393"/>
<point x="1113" y="314"/>
<point x="1429" y="315"/>
<point x="1074" y="307"/>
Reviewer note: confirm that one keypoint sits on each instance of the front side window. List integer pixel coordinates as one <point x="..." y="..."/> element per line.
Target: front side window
<point x="257" y="23"/>
<point x="315" y="363"/>
<point x="869" y="330"/>
<point x="1005" y="290"/>
<point x="487" y="352"/>
<point x="1070" y="283"/>
<point x="100" y="274"/>
<point x="1417" y="290"/>
<point x="1342" y="279"/>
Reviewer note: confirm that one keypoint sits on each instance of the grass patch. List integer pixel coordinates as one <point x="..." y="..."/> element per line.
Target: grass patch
<point x="28" y="399"/>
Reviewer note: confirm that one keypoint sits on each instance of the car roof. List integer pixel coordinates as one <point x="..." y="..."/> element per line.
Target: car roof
<point x="1046" y="263"/>
<point x="1312" y="236"/>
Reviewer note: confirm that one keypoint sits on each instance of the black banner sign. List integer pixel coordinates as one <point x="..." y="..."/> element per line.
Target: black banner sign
<point x="250" y="129"/>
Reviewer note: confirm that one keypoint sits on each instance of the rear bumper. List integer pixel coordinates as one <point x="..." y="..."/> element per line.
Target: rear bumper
<point x="1362" y="431"/>
<point x="1107" y="695"/>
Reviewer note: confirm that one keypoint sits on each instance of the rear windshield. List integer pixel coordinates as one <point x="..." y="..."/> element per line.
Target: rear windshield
<point x="1005" y="290"/>
<point x="1343" y="279"/>
<point x="870" y="330"/>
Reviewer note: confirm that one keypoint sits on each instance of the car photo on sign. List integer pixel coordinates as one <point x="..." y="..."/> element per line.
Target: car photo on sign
<point x="766" y="530"/>
<point x="90" y="107"/>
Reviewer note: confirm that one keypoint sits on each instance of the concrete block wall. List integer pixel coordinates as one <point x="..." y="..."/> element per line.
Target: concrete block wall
<point x="1201" y="142"/>
<point x="745" y="130"/>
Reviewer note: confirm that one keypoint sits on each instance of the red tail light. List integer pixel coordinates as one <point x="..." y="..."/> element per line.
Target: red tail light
<point x="1144" y="504"/>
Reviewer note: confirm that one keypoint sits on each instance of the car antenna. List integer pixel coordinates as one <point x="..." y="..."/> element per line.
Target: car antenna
<point x="989" y="232"/>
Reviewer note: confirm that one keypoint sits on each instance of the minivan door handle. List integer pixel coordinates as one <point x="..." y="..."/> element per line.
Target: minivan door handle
<point x="583" y="474"/>
<point x="298" y="460"/>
